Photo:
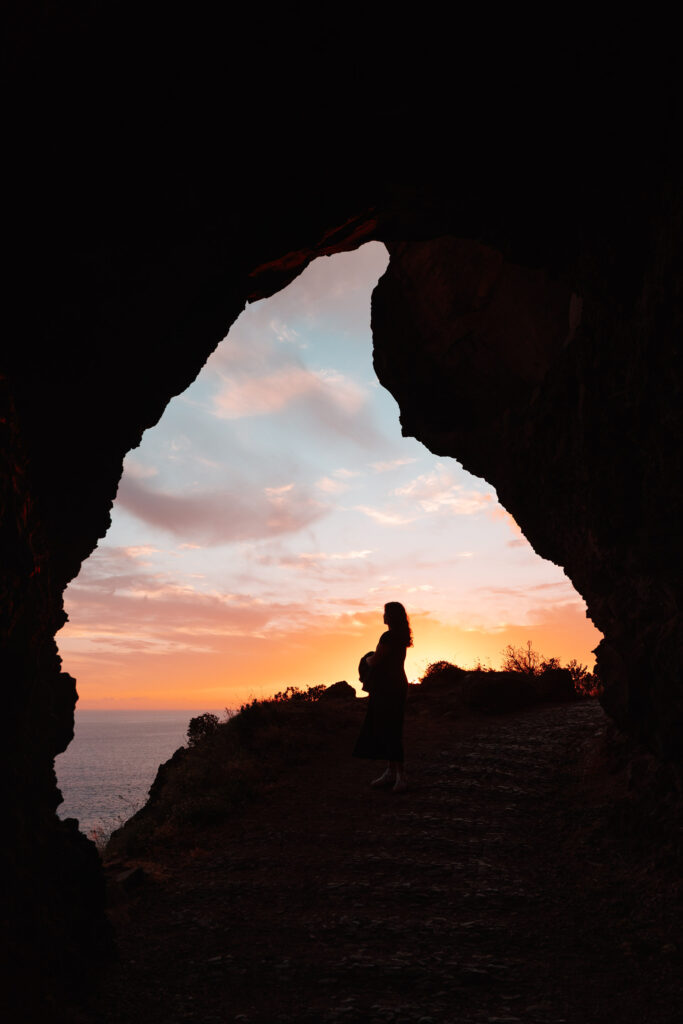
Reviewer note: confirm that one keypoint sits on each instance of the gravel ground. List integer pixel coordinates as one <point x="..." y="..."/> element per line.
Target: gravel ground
<point x="516" y="880"/>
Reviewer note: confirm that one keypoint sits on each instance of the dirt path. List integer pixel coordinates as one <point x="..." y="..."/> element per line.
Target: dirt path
<point x="488" y="893"/>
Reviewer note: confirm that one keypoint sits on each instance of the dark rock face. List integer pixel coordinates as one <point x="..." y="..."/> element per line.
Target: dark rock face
<point x="567" y="397"/>
<point x="528" y="325"/>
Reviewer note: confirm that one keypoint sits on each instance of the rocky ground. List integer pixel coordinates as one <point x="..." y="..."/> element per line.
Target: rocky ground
<point x="519" y="879"/>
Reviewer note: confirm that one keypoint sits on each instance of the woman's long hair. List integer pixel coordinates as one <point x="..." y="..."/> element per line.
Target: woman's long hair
<point x="397" y="621"/>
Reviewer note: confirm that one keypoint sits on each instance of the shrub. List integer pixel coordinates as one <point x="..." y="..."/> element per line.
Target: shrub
<point x="524" y="660"/>
<point x="585" y="683"/>
<point x="298" y="696"/>
<point x="229" y="762"/>
<point x="200" y="727"/>
<point x="555" y="683"/>
<point x="497" y="693"/>
<point x="442" y="673"/>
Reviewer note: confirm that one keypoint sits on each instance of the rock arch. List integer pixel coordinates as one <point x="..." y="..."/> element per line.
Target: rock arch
<point x="529" y="325"/>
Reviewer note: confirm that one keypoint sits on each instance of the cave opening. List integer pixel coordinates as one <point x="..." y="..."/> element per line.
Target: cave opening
<point x="138" y="233"/>
<point x="262" y="524"/>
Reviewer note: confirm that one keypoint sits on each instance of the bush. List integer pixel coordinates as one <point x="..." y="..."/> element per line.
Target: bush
<point x="524" y="660"/>
<point x="298" y="696"/>
<point x="497" y="693"/>
<point x="229" y="762"/>
<point x="555" y="683"/>
<point x="200" y="727"/>
<point x="585" y="683"/>
<point x="442" y="673"/>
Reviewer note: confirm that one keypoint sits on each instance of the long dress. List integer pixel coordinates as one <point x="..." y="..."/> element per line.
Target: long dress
<point x="381" y="735"/>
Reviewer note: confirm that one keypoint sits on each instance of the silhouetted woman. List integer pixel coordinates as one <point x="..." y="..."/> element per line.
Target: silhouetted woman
<point x="381" y="736"/>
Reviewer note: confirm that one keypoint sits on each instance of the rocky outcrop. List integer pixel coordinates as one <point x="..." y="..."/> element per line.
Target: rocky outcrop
<point x="566" y="396"/>
<point x="338" y="691"/>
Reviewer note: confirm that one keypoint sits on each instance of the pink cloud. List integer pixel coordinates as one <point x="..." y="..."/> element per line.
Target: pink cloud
<point x="269" y="393"/>
<point x="331" y="400"/>
<point x="439" y="491"/>
<point x="330" y="486"/>
<point x="336" y="556"/>
<point x="262" y="396"/>
<point x="114" y="604"/>
<point x="384" y="518"/>
<point x="220" y="517"/>
<point x="385" y="467"/>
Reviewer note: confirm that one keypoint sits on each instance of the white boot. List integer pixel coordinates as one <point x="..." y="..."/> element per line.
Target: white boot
<point x="387" y="779"/>
<point x="401" y="784"/>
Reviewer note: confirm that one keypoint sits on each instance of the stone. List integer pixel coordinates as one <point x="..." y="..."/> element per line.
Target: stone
<point x="338" y="691"/>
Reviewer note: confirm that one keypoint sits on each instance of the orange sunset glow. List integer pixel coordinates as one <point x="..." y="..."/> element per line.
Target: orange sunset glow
<point x="263" y="523"/>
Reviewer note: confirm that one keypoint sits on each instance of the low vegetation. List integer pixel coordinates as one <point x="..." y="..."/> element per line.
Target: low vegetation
<point x="527" y="661"/>
<point x="227" y="762"/>
<point x="241" y="757"/>
<point x="525" y="678"/>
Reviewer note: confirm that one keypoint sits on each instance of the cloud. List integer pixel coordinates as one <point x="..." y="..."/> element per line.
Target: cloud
<point x="275" y="494"/>
<point x="385" y="467"/>
<point x="221" y="517"/>
<point x="260" y="371"/>
<point x="330" y="486"/>
<point x="439" y="491"/>
<point x="332" y="566"/>
<point x="261" y="396"/>
<point x="137" y="470"/>
<point x="269" y="393"/>
<point x="114" y="603"/>
<point x="385" y="518"/>
<point x="141" y="550"/>
<point x="562" y="587"/>
<point x="284" y="333"/>
<point x="497" y="512"/>
<point x="331" y="400"/>
<point x="322" y="556"/>
<point x="118" y="609"/>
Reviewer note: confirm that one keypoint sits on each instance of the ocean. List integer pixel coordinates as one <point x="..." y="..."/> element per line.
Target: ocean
<point x="107" y="770"/>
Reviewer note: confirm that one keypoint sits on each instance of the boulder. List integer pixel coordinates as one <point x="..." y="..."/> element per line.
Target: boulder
<point x="338" y="691"/>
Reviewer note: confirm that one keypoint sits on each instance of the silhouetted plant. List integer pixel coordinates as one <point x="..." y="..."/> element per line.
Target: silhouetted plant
<point x="522" y="659"/>
<point x="296" y="694"/>
<point x="497" y="693"/>
<point x="228" y="762"/>
<point x="442" y="672"/>
<point x="585" y="682"/>
<point x="528" y="662"/>
<point x="524" y="677"/>
<point x="200" y="727"/>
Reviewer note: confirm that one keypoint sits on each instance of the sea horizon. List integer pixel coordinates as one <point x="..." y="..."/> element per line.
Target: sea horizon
<point x="108" y="768"/>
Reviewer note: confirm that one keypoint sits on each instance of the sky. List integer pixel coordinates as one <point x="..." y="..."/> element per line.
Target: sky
<point x="262" y="524"/>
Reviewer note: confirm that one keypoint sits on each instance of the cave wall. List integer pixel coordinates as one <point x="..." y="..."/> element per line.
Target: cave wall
<point x="569" y="402"/>
<point x="528" y="326"/>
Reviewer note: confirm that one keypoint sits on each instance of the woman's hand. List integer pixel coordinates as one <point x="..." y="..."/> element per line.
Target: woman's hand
<point x="380" y="655"/>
